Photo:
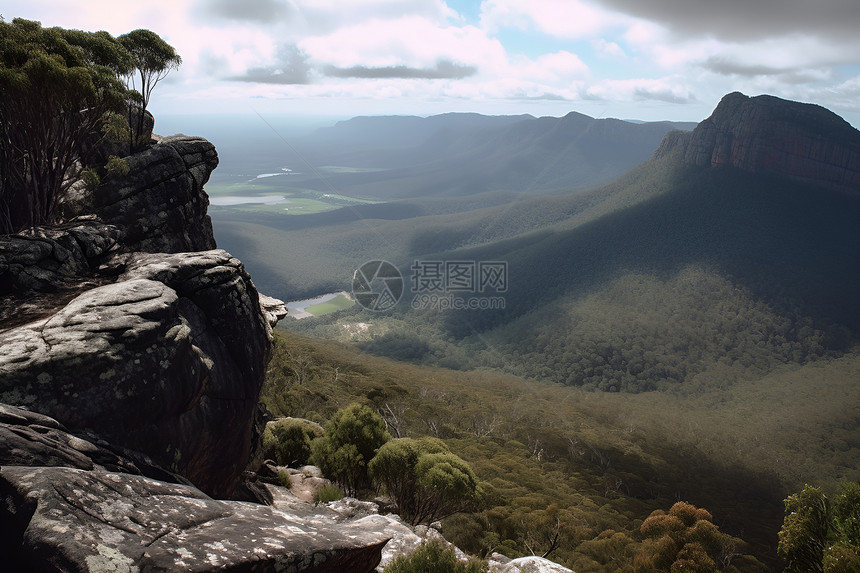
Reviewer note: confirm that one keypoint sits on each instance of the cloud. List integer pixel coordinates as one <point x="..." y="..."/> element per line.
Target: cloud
<point x="443" y="69"/>
<point x="668" y="90"/>
<point x="745" y="19"/>
<point x="569" y="19"/>
<point x="411" y="41"/>
<point x="664" y="95"/>
<point x="290" y="67"/>
<point x="260" y="11"/>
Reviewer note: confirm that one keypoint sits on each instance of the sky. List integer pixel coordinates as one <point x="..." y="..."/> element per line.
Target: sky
<point x="631" y="59"/>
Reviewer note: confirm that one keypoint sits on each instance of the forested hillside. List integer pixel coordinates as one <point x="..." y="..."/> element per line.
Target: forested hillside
<point x="688" y="331"/>
<point x="592" y="466"/>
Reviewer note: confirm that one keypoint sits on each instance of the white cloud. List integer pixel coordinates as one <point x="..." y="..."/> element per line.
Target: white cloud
<point x="422" y="52"/>
<point x="609" y="49"/>
<point x="556" y="67"/>
<point x="411" y="41"/>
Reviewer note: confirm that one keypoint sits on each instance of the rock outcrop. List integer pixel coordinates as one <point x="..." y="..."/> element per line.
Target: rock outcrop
<point x="78" y="520"/>
<point x="766" y="134"/>
<point x="54" y="259"/>
<point x="167" y="360"/>
<point x="71" y="503"/>
<point x="160" y="205"/>
<point x="136" y="351"/>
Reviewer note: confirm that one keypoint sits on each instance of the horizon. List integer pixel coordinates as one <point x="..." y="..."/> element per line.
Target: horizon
<point x="655" y="60"/>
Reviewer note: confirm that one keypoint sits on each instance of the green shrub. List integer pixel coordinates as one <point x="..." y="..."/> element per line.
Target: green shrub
<point x="90" y="177"/>
<point x="328" y="493"/>
<point x="352" y="437"/>
<point x="424" y="479"/>
<point x="434" y="557"/>
<point x="287" y="441"/>
<point x="820" y="534"/>
<point x="116" y="167"/>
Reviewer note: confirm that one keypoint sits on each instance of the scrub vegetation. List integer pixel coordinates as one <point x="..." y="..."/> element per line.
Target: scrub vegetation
<point x="578" y="472"/>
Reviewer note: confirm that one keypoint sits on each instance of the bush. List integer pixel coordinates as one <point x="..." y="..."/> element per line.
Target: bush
<point x="90" y="177"/>
<point x="685" y="539"/>
<point x="287" y="441"/>
<point x="434" y="557"/>
<point x="328" y="493"/>
<point x="820" y="534"/>
<point x="352" y="437"/>
<point x="424" y="479"/>
<point x="116" y="167"/>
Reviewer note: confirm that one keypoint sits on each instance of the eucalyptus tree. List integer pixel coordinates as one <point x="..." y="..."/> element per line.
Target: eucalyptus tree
<point x="153" y="59"/>
<point x="58" y="88"/>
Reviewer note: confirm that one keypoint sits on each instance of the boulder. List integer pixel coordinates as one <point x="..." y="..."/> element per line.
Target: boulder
<point x="304" y="485"/>
<point x="74" y="520"/>
<point x="160" y="206"/>
<point x="32" y="439"/>
<point x="167" y="361"/>
<point x="526" y="565"/>
<point x="54" y="259"/>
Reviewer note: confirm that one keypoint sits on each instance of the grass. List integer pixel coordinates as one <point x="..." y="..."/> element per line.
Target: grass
<point x="340" y="302"/>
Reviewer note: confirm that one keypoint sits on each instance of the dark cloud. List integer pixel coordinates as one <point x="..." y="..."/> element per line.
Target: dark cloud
<point x="444" y="70"/>
<point x="662" y="95"/>
<point x="262" y="11"/>
<point x="728" y="67"/>
<point x="291" y="67"/>
<point x="546" y="96"/>
<point x="748" y="19"/>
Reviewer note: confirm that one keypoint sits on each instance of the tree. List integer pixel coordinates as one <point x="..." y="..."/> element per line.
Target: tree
<point x="685" y="539"/>
<point x="153" y="59"/>
<point x="352" y="438"/>
<point x="58" y="90"/>
<point x="820" y="535"/>
<point x="424" y="479"/>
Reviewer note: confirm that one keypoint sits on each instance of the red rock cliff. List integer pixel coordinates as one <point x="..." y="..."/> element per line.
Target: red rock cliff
<point x="767" y="134"/>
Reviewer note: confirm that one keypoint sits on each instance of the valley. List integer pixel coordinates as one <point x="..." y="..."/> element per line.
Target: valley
<point x="670" y="330"/>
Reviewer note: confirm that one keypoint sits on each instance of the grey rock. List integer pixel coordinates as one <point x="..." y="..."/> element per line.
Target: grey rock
<point x="63" y="519"/>
<point x="403" y="538"/>
<point x="526" y="565"/>
<point x="53" y="259"/>
<point x="274" y="309"/>
<point x="167" y="361"/>
<point x="160" y="206"/>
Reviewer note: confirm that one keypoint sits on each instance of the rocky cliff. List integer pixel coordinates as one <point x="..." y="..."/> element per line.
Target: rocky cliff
<point x="766" y="134"/>
<point x="133" y="352"/>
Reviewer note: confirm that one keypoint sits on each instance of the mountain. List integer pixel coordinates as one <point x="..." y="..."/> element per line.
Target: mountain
<point x="464" y="154"/>
<point x="755" y="241"/>
<point x="765" y="134"/>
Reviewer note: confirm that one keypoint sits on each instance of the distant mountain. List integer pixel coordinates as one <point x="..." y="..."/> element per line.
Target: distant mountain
<point x="668" y="272"/>
<point x="794" y="241"/>
<point x="465" y="154"/>
<point x="762" y="239"/>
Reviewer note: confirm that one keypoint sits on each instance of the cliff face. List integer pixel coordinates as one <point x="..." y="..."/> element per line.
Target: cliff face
<point x="767" y="134"/>
<point x="137" y="330"/>
<point x="133" y="352"/>
<point x="160" y="205"/>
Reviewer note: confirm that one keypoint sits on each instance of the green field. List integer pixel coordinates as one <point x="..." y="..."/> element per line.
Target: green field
<point x="298" y="200"/>
<point x="339" y="302"/>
